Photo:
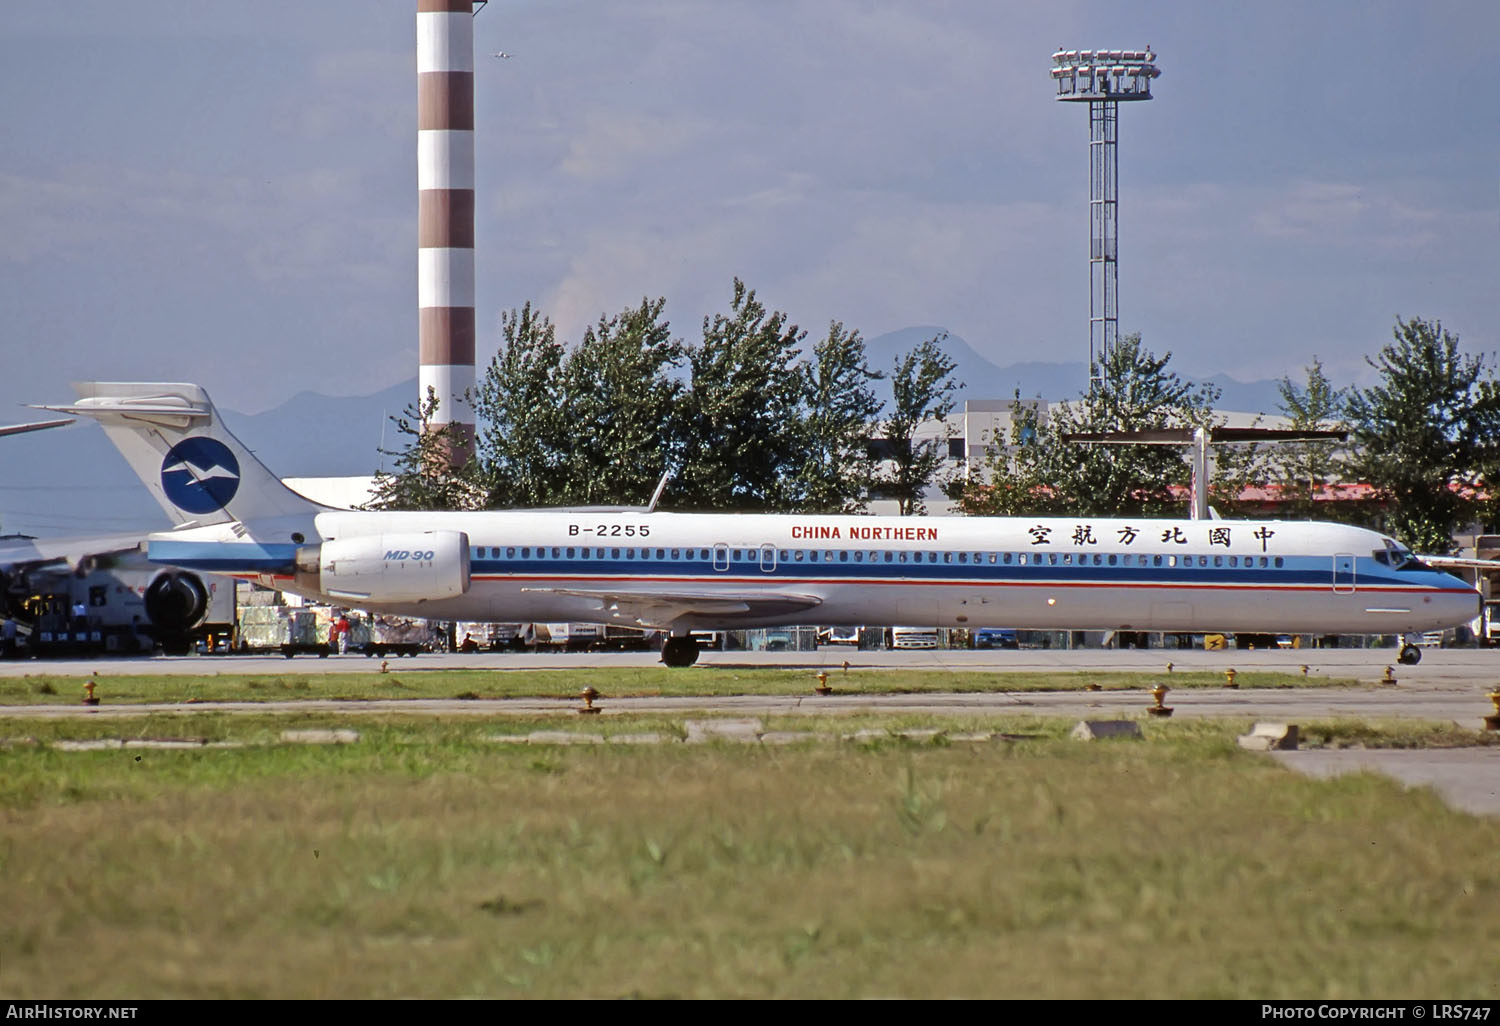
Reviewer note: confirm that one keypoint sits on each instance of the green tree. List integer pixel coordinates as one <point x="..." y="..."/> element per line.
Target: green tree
<point x="1303" y="469"/>
<point x="1132" y="390"/>
<point x="525" y="441"/>
<point x="621" y="399"/>
<point x="1427" y="435"/>
<point x="836" y="465"/>
<point x="922" y="389"/>
<point x="424" y="477"/>
<point x="742" y="414"/>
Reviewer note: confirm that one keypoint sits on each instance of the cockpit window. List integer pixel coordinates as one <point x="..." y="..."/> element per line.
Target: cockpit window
<point x="1398" y="557"/>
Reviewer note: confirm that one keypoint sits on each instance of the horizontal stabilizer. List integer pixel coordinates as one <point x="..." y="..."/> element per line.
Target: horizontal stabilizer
<point x="1186" y="436"/>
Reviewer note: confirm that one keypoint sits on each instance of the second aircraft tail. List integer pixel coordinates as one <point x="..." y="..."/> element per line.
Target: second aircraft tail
<point x="172" y="437"/>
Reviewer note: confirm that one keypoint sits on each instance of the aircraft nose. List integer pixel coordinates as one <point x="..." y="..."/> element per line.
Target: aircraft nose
<point x="1460" y="600"/>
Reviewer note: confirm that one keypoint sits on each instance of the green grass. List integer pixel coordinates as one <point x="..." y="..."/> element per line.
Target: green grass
<point x="426" y="861"/>
<point x="411" y="681"/>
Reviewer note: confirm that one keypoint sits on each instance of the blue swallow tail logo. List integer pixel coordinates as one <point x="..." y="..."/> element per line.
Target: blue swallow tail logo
<point x="200" y="475"/>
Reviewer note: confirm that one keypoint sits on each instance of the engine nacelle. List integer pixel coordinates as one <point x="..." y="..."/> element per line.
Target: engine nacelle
<point x="381" y="568"/>
<point x="176" y="600"/>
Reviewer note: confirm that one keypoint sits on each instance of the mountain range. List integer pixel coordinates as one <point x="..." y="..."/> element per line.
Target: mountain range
<point x="72" y="481"/>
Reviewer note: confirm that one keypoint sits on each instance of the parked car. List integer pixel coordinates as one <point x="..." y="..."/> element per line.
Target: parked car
<point x="996" y="637"/>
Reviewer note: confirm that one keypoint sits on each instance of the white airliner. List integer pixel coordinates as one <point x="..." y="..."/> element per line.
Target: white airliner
<point x="680" y="572"/>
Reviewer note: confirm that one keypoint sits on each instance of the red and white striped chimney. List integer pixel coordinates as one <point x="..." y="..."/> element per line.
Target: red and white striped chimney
<point x="445" y="212"/>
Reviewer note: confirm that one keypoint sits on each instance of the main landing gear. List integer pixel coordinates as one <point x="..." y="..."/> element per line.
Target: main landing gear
<point x="1410" y="655"/>
<point x="679" y="650"/>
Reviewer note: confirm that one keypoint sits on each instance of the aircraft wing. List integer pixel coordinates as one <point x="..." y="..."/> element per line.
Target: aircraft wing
<point x="1460" y="563"/>
<point x="663" y="608"/>
<point x="65" y="554"/>
<point x="38" y="425"/>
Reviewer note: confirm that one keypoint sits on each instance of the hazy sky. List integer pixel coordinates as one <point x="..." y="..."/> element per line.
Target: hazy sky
<point x="225" y="193"/>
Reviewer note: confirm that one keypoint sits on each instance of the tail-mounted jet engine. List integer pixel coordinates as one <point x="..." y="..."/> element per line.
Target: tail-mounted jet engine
<point x="383" y="568"/>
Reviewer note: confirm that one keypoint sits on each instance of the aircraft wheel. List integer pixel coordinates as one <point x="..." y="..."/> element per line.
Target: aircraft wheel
<point x="679" y="651"/>
<point x="1410" y="655"/>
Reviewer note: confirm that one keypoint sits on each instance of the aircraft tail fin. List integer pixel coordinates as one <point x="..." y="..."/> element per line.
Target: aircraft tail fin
<point x="173" y="438"/>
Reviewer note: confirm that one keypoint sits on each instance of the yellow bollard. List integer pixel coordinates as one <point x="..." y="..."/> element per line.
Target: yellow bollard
<point x="1159" y="692"/>
<point x="1493" y="722"/>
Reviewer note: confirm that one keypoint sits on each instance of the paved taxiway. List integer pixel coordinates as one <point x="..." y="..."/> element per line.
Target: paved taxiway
<point x="1438" y="666"/>
<point x="1449" y="685"/>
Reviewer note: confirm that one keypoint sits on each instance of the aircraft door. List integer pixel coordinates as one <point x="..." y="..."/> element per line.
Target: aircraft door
<point x="768" y="559"/>
<point x="721" y="557"/>
<point x="1343" y="573"/>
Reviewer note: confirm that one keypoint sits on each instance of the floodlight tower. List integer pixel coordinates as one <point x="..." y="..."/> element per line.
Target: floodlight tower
<point x="1102" y="79"/>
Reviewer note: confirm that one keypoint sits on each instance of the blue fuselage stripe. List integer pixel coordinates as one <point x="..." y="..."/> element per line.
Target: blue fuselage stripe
<point x="1295" y="571"/>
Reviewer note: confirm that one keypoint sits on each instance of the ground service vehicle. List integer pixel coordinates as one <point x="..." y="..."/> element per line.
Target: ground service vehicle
<point x="914" y="637"/>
